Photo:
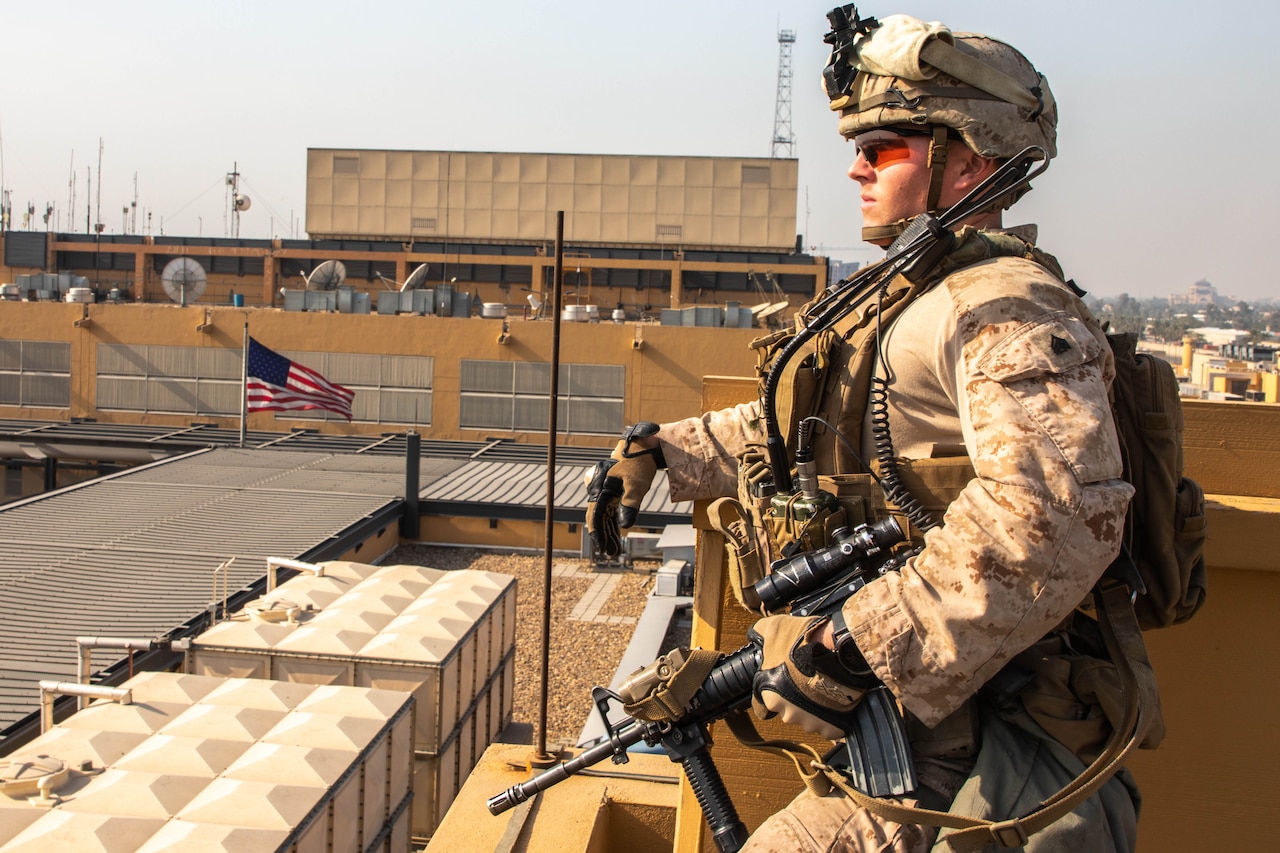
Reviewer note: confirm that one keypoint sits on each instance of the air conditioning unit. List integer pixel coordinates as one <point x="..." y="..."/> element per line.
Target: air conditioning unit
<point x="641" y="546"/>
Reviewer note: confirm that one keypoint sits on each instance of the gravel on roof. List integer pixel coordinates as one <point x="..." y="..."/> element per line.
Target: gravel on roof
<point x="583" y="653"/>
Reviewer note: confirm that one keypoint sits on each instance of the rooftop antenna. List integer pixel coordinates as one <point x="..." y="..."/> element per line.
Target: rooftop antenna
<point x="783" y="141"/>
<point x="98" y="225"/>
<point x="4" y="194"/>
<point x="239" y="203"/>
<point x="184" y="280"/>
<point x="71" y="187"/>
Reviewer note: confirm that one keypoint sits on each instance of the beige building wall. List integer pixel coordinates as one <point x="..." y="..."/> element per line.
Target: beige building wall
<point x="664" y="365"/>
<point x="676" y="202"/>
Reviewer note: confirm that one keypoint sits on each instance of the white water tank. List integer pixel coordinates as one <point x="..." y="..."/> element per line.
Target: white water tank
<point x="619" y="316"/>
<point x="80" y="294"/>
<point x="575" y="314"/>
<point x="447" y="637"/>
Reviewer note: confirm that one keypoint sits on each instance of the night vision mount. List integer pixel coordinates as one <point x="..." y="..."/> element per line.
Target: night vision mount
<point x="846" y="28"/>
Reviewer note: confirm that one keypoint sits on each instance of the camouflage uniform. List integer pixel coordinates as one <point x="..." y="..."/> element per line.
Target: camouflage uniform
<point x="1003" y="360"/>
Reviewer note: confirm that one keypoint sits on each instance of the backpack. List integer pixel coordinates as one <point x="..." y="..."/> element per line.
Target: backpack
<point x="1162" y="558"/>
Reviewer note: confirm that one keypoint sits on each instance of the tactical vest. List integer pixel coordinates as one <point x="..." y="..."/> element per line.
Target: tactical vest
<point x="1121" y="710"/>
<point x="810" y="384"/>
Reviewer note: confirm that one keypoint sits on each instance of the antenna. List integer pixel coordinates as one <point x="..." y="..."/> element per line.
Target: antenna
<point x="71" y="182"/>
<point x="3" y="194"/>
<point x="184" y="280"/>
<point x="328" y="276"/>
<point x="239" y="203"/>
<point x="98" y="225"/>
<point x="783" y="141"/>
<point x="416" y="279"/>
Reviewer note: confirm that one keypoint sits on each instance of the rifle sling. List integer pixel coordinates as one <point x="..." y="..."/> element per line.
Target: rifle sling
<point x="1129" y="653"/>
<point x="802" y="755"/>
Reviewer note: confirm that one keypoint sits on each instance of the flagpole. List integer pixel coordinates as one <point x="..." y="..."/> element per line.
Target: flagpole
<point x="244" y="383"/>
<point x="540" y="756"/>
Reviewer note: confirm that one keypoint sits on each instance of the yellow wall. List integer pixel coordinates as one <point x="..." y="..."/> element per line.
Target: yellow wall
<point x="663" y="375"/>
<point x="625" y="807"/>
<point x="375" y="546"/>
<point x="1270" y="385"/>
<point x="457" y="530"/>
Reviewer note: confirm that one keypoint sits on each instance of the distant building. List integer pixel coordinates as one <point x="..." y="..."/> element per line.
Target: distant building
<point x="1219" y="337"/>
<point x="1199" y="294"/>
<point x="842" y="270"/>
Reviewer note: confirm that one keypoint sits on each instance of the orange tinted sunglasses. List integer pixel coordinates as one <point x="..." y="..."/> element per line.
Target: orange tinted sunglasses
<point x="882" y="147"/>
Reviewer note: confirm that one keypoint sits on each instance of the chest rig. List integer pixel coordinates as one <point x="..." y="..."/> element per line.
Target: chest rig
<point x="822" y="393"/>
<point x="798" y="490"/>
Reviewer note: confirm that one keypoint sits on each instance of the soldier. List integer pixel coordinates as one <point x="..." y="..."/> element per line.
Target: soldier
<point x="987" y="357"/>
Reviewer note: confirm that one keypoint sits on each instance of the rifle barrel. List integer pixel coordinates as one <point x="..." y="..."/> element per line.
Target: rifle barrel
<point x="517" y="794"/>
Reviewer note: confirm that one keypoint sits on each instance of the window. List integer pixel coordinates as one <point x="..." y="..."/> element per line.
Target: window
<point x="35" y="373"/>
<point x="180" y="380"/>
<point x="206" y="381"/>
<point x="513" y="396"/>
<point x="390" y="389"/>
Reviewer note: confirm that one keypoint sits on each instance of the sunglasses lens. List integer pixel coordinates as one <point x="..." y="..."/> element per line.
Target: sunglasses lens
<point x="881" y="152"/>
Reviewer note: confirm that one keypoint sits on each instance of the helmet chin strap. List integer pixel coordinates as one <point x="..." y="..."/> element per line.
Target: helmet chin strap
<point x="937" y="164"/>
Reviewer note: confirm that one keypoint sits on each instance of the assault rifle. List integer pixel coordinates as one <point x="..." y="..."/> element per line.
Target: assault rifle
<point x="874" y="752"/>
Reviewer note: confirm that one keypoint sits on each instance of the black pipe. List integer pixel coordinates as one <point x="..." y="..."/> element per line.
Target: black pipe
<point x="410" y="522"/>
<point x="540" y="742"/>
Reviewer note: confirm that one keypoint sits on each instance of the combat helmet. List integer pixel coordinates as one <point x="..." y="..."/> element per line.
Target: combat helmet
<point x="902" y="71"/>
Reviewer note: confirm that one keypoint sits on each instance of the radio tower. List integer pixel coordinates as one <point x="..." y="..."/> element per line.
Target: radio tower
<point x="783" y="141"/>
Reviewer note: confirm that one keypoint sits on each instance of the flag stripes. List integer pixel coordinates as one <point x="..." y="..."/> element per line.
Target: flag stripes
<point x="276" y="384"/>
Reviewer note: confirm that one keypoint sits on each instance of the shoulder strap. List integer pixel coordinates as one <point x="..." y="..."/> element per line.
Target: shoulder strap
<point x="972" y="246"/>
<point x="861" y="342"/>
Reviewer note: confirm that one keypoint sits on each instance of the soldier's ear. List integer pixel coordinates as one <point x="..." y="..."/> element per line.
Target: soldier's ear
<point x="970" y="167"/>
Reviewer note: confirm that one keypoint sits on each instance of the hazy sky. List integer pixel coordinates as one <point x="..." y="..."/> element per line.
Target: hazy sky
<point x="1169" y="110"/>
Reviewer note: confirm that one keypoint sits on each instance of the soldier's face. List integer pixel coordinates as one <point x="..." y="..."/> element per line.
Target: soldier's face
<point x="892" y="175"/>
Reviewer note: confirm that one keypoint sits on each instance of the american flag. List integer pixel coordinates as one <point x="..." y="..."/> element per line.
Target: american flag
<point x="276" y="384"/>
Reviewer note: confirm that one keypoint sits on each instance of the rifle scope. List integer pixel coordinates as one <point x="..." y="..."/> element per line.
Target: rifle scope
<point x="804" y="573"/>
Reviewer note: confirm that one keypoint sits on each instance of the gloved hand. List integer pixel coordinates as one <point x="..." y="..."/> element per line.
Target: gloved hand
<point x="791" y="683"/>
<point x="617" y="485"/>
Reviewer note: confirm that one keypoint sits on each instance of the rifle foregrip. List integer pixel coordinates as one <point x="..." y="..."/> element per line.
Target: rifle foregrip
<point x="729" y="832"/>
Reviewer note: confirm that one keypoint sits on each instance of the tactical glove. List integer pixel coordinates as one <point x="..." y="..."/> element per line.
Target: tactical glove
<point x="617" y="485"/>
<point x="792" y="683"/>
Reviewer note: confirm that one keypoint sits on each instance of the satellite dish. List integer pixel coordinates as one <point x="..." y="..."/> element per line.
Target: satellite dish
<point x="416" y="279"/>
<point x="243" y="202"/>
<point x="328" y="276"/>
<point x="184" y="280"/>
